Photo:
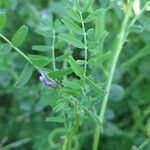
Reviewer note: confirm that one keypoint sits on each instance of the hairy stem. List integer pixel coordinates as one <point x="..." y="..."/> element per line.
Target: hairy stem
<point x="53" y="51"/>
<point x="116" y="50"/>
<point x="85" y="43"/>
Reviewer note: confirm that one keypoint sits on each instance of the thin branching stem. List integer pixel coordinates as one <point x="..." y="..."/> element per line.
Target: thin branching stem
<point x="85" y="44"/>
<point x="53" y="51"/>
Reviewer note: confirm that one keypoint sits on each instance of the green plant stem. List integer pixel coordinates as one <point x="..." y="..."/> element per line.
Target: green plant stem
<point x="53" y="51"/>
<point x="85" y="44"/>
<point x="74" y="130"/>
<point x="120" y="39"/>
<point x="142" y="146"/>
<point x="65" y="146"/>
<point x="18" y="51"/>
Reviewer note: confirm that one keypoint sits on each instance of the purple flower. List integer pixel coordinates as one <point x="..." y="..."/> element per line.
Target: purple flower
<point x="46" y="81"/>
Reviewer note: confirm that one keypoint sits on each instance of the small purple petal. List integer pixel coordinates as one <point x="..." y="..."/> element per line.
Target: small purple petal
<point x="42" y="79"/>
<point x="46" y="81"/>
<point x="42" y="73"/>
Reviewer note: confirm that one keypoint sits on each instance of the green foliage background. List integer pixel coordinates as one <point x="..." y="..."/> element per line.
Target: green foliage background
<point x="24" y="111"/>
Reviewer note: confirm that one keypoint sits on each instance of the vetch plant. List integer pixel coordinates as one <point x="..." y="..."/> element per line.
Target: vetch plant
<point x="73" y="90"/>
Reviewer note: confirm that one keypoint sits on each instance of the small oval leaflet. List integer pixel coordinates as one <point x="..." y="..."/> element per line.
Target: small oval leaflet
<point x="72" y="40"/>
<point x="39" y="60"/>
<point x="20" y="36"/>
<point x="72" y="26"/>
<point x="2" y="21"/>
<point x="75" y="67"/>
